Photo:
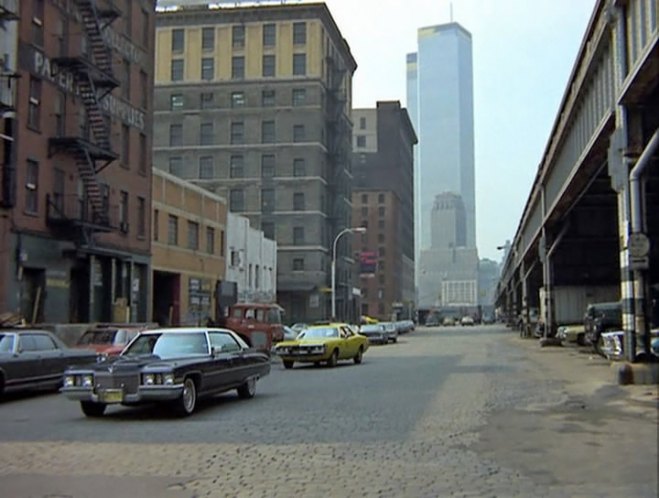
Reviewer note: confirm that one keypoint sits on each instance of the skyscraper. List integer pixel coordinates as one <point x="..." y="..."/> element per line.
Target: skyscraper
<point x="440" y="102"/>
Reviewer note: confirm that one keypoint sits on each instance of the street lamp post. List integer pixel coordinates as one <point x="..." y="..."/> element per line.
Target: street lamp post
<point x="336" y="239"/>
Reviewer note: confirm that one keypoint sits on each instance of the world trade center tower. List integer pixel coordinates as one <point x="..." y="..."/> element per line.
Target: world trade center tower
<point x="440" y="102"/>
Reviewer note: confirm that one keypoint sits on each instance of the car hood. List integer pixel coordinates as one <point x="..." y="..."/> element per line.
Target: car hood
<point x="120" y="364"/>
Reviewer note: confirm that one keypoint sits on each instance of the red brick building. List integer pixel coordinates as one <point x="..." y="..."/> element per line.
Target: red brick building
<point x="75" y="196"/>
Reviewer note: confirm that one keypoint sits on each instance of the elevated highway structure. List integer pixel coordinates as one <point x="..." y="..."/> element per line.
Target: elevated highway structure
<point x="590" y="226"/>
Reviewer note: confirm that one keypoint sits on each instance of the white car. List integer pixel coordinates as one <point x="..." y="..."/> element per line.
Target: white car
<point x="467" y="321"/>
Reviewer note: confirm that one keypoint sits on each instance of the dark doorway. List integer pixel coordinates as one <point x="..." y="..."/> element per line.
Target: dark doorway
<point x="166" y="292"/>
<point x="33" y="294"/>
<point x="79" y="297"/>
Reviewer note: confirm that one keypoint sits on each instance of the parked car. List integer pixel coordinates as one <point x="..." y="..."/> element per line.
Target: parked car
<point x="176" y="366"/>
<point x="601" y="317"/>
<point x="432" y="321"/>
<point x="329" y="343"/>
<point x="467" y="321"/>
<point x="448" y="321"/>
<point x="111" y="338"/>
<point x="376" y="332"/>
<point x="36" y="359"/>
<point x="299" y="327"/>
<point x="392" y="331"/>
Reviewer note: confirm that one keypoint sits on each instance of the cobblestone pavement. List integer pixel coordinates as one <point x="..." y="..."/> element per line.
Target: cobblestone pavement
<point x="446" y="412"/>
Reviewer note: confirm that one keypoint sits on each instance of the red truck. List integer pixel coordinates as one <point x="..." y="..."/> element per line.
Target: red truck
<point x="260" y="324"/>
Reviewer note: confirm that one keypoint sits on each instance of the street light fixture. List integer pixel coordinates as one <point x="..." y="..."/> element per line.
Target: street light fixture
<point x="336" y="239"/>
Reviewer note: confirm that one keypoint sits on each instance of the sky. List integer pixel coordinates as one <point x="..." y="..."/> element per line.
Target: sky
<point x="523" y="54"/>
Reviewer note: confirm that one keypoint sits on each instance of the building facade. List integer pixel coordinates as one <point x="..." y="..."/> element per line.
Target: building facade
<point x="440" y="101"/>
<point x="383" y="202"/>
<point x="189" y="251"/>
<point x="253" y="103"/>
<point x="76" y="193"/>
<point x="251" y="262"/>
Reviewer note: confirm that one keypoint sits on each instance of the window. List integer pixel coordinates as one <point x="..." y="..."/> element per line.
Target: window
<point x="178" y="40"/>
<point x="222" y="243"/>
<point x="298" y="264"/>
<point x="206" y="100"/>
<point x="269" y="35"/>
<point x="58" y="189"/>
<point x="299" y="167"/>
<point x="176" y="166"/>
<point x="172" y="230"/>
<point x="268" y="165"/>
<point x="236" y="200"/>
<point x="299" y="96"/>
<point x="206" y="167"/>
<point x="210" y="240"/>
<point x="236" y="167"/>
<point x="34" y="104"/>
<point x="32" y="187"/>
<point x="268" y="65"/>
<point x="364" y="211"/>
<point x="381" y="251"/>
<point x="381" y="211"/>
<point x="299" y="33"/>
<point x="237" y="68"/>
<point x="267" y="199"/>
<point x="37" y="22"/>
<point x="141" y="217"/>
<point x="123" y="207"/>
<point x="381" y="198"/>
<point x="175" y="135"/>
<point x="298" y="133"/>
<point x="268" y="98"/>
<point x="125" y="145"/>
<point x="177" y="70"/>
<point x="298" y="201"/>
<point x="381" y="224"/>
<point x="60" y="117"/>
<point x="362" y="123"/>
<point x="364" y="198"/>
<point x="142" y="165"/>
<point x="156" y="225"/>
<point x="299" y="64"/>
<point x="268" y="132"/>
<point x="207" y="68"/>
<point x="238" y="36"/>
<point x="193" y="235"/>
<point x="208" y="39"/>
<point x="361" y="141"/>
<point x="145" y="28"/>
<point x="237" y="132"/>
<point x="268" y="229"/>
<point x="381" y="238"/>
<point x="381" y="279"/>
<point x="237" y="99"/>
<point x="125" y="83"/>
<point x="206" y="134"/>
<point x="298" y="236"/>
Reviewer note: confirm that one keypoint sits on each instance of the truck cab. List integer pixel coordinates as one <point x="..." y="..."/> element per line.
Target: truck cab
<point x="258" y="323"/>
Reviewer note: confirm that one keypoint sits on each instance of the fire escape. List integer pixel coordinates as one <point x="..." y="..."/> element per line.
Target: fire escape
<point x="91" y="148"/>
<point x="8" y="74"/>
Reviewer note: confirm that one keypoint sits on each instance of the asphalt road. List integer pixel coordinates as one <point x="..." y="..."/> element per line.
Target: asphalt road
<point x="453" y="411"/>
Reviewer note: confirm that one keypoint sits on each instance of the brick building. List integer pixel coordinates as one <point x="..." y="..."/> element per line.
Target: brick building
<point x="254" y="103"/>
<point x="76" y="189"/>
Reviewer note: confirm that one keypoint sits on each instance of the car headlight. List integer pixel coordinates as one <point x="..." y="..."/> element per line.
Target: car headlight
<point x="281" y="350"/>
<point x="148" y="379"/>
<point x="168" y="379"/>
<point x="69" y="381"/>
<point x="87" y="381"/>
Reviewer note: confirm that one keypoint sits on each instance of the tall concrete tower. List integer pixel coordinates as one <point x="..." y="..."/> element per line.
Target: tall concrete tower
<point x="440" y="103"/>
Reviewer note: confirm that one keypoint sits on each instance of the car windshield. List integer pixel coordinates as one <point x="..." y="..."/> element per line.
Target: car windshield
<point x="6" y="343"/>
<point x="97" y="337"/>
<point x="319" y="332"/>
<point x="169" y="345"/>
<point x="371" y="328"/>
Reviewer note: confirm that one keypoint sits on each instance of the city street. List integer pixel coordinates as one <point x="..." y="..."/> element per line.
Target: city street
<point x="448" y="411"/>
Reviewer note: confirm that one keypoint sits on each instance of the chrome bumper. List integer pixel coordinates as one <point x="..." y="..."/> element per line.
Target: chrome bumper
<point x="144" y="394"/>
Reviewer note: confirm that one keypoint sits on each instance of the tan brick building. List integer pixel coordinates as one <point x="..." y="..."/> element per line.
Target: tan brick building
<point x="189" y="232"/>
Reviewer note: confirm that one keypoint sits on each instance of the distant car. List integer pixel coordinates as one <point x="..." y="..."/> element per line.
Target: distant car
<point x="467" y="321"/>
<point x="376" y="332"/>
<point x="299" y="327"/>
<point x="599" y="318"/>
<point x="175" y="366"/>
<point x="289" y="333"/>
<point x="432" y="321"/>
<point x="448" y="321"/>
<point x="110" y="339"/>
<point x="392" y="331"/>
<point x="36" y="359"/>
<point x="571" y="334"/>
<point x="323" y="343"/>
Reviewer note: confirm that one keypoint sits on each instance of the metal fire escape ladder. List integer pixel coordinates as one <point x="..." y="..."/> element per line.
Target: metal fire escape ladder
<point x="95" y="80"/>
<point x="336" y="140"/>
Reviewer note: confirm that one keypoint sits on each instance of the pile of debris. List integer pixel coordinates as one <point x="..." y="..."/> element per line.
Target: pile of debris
<point x="11" y="319"/>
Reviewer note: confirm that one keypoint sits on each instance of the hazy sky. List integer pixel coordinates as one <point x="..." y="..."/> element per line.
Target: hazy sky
<point x="523" y="53"/>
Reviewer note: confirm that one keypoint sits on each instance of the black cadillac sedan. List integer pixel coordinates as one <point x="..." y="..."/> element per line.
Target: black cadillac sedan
<point x="176" y="366"/>
<point x="36" y="359"/>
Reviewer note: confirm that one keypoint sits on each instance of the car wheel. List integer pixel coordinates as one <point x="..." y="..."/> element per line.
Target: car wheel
<point x="394" y="340"/>
<point x="598" y="346"/>
<point x="186" y="404"/>
<point x="358" y="357"/>
<point x="248" y="389"/>
<point x="581" y="340"/>
<point x="333" y="359"/>
<point x="288" y="364"/>
<point x="92" y="409"/>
